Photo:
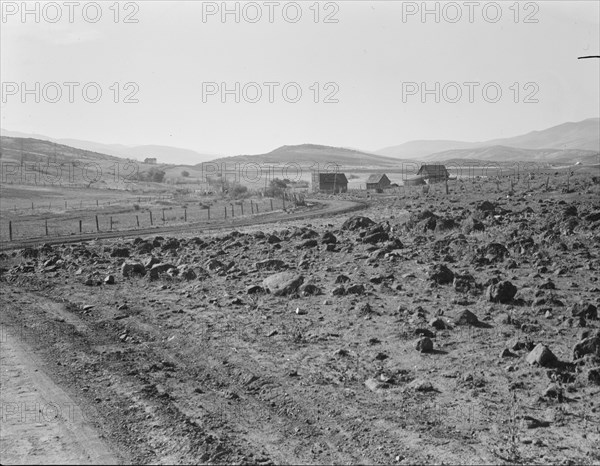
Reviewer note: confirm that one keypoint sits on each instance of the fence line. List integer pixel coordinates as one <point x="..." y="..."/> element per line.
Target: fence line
<point x="138" y="219"/>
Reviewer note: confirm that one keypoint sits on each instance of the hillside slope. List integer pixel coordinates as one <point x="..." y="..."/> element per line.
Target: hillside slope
<point x="316" y="156"/>
<point x="583" y="135"/>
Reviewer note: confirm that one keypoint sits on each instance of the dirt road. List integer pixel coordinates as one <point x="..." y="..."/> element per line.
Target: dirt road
<point x="40" y="423"/>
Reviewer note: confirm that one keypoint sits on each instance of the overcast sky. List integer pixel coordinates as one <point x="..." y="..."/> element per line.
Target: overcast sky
<point x="371" y="56"/>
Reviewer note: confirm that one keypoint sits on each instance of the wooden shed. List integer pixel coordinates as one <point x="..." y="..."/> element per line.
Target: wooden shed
<point x="329" y="182"/>
<point x="378" y="182"/>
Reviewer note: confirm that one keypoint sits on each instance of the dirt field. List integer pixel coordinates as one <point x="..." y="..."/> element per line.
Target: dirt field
<point x="337" y="339"/>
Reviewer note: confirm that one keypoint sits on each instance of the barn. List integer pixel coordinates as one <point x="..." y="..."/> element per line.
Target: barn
<point x="378" y="182"/>
<point x="329" y="182"/>
<point x="433" y="173"/>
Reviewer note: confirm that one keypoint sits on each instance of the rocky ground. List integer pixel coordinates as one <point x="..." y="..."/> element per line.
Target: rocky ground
<point x="430" y="329"/>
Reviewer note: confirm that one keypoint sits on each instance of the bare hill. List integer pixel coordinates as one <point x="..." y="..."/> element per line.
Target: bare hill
<point x="317" y="156"/>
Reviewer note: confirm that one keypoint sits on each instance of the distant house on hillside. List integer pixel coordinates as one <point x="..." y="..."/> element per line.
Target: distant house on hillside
<point x="151" y="161"/>
<point x="329" y="182"/>
<point x="378" y="182"/>
<point x="433" y="173"/>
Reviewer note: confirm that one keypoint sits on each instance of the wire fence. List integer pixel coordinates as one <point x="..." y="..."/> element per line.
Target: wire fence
<point x="54" y="226"/>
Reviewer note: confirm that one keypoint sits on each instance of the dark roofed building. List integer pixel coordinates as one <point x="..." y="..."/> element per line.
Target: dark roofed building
<point x="378" y="182"/>
<point x="329" y="182"/>
<point x="433" y="173"/>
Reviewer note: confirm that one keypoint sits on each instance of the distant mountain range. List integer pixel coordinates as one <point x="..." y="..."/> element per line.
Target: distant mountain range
<point x="556" y="144"/>
<point x="568" y="143"/>
<point x="164" y="154"/>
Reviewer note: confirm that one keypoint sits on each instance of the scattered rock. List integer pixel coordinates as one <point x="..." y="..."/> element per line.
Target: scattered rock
<point x="254" y="289"/>
<point x="357" y="289"/>
<point x="593" y="375"/>
<point x="590" y="345"/>
<point x="283" y="283"/>
<point x="424" y="345"/>
<point x="129" y="269"/>
<point x="438" y="323"/>
<point x="328" y="238"/>
<point x="420" y="385"/>
<point x="502" y="292"/>
<point x="357" y="223"/>
<point x="441" y="274"/>
<point x="585" y="310"/>
<point x="270" y="264"/>
<point x="466" y="317"/>
<point x="120" y="252"/>
<point x="541" y="355"/>
<point x="506" y="353"/>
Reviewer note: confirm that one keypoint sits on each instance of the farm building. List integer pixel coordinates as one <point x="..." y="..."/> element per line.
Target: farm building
<point x="378" y="182"/>
<point x="151" y="161"/>
<point x="433" y="173"/>
<point x="329" y="182"/>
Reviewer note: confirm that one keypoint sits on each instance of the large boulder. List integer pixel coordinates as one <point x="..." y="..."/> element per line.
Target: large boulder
<point x="283" y="283"/>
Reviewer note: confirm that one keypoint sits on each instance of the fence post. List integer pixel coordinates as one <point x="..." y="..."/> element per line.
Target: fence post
<point x="10" y="229"/>
<point x="251" y="207"/>
<point x="242" y="206"/>
<point x="97" y="224"/>
<point x="256" y="208"/>
<point x="446" y="186"/>
<point x="32" y="206"/>
<point x="96" y="202"/>
<point x="111" y="223"/>
<point x="46" y="226"/>
<point x="163" y="215"/>
<point x="283" y="197"/>
<point x="80" y="226"/>
<point x="272" y="204"/>
<point x="225" y="209"/>
<point x="185" y="215"/>
<point x="137" y="220"/>
<point x="151" y="222"/>
<point x="232" y="212"/>
<point x="209" y="212"/>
